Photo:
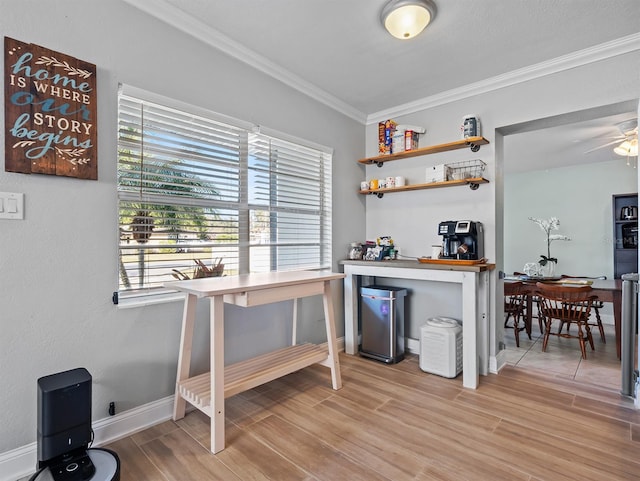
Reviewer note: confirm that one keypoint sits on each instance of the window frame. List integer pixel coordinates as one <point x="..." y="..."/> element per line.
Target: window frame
<point x="147" y="294"/>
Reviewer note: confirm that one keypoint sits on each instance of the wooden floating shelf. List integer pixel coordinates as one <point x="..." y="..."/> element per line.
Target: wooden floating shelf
<point x="473" y="143"/>
<point x="471" y="182"/>
<point x="245" y="375"/>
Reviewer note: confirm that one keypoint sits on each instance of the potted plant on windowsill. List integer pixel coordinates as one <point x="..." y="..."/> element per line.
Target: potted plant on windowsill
<point x="548" y="263"/>
<point x="201" y="270"/>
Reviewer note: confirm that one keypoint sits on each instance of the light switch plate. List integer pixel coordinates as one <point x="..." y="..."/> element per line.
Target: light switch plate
<point x="12" y="205"/>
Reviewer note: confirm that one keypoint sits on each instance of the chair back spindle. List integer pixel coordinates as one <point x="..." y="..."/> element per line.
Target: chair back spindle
<point x="568" y="304"/>
<point x="514" y="307"/>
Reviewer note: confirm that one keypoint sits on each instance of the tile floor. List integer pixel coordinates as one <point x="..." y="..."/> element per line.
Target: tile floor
<point x="563" y="359"/>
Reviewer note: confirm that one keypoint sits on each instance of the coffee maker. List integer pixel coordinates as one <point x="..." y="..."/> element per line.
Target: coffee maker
<point x="462" y="239"/>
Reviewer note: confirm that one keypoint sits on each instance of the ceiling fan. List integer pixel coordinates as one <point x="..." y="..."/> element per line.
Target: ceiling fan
<point x="629" y="146"/>
<point x="627" y="140"/>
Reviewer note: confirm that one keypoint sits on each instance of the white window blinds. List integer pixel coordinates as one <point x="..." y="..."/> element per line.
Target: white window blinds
<point x="290" y="205"/>
<point x="197" y="196"/>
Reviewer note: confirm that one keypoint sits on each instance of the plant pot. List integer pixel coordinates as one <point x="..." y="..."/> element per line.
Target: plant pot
<point x="548" y="270"/>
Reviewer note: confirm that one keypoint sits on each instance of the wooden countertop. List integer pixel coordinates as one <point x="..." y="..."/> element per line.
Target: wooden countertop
<point x="414" y="264"/>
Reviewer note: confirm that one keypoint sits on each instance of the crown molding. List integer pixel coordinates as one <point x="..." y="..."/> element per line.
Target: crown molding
<point x="175" y="17"/>
<point x="586" y="56"/>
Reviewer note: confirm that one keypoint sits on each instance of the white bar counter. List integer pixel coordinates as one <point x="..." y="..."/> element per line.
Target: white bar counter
<point x="475" y="304"/>
<point x="208" y="391"/>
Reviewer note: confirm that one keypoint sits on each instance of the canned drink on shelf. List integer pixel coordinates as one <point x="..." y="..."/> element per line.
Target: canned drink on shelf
<point x="470" y="126"/>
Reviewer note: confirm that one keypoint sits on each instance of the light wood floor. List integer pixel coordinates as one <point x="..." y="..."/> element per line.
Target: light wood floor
<point x="399" y="423"/>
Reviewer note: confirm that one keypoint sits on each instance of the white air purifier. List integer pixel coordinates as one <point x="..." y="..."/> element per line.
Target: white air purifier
<point x="441" y="347"/>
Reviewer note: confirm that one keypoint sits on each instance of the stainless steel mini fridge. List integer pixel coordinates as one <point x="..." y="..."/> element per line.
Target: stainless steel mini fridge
<point x="382" y="323"/>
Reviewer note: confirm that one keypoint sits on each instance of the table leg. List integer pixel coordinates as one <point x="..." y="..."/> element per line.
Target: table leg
<point x="483" y="303"/>
<point x="294" y="326"/>
<point x="470" y="371"/>
<point x="350" y="313"/>
<point x="334" y="363"/>
<point x="184" y="353"/>
<point x="527" y="317"/>
<point x="217" y="373"/>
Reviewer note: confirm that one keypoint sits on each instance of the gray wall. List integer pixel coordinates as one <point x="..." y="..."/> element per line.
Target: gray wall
<point x="59" y="264"/>
<point x="411" y="218"/>
<point x="580" y="197"/>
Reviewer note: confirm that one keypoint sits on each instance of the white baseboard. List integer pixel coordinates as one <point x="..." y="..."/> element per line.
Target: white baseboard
<point x="412" y="345"/>
<point x="18" y="463"/>
<point x="498" y="362"/>
<point x="111" y="429"/>
<point x="21" y="462"/>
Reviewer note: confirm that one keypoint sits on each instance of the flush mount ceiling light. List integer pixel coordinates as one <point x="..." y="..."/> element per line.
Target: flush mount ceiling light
<point x="405" y="19"/>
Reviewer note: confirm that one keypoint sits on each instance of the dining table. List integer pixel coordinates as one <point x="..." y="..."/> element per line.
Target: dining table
<point x="607" y="290"/>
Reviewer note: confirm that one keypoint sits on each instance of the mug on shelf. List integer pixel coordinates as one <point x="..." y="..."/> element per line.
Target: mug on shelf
<point x="364" y="185"/>
<point x="400" y="181"/>
<point x="373" y="184"/>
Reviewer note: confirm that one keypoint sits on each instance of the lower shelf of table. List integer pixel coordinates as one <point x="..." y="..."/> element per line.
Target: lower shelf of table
<point x="253" y="372"/>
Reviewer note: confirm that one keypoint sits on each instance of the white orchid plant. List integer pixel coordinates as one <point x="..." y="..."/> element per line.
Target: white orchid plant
<point x="548" y="225"/>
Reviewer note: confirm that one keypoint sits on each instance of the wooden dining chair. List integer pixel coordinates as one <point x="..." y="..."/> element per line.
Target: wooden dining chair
<point x="514" y="307"/>
<point x="597" y="305"/>
<point x="567" y="304"/>
<point x="534" y="301"/>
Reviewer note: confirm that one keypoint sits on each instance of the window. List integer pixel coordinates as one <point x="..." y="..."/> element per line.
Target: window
<point x="198" y="192"/>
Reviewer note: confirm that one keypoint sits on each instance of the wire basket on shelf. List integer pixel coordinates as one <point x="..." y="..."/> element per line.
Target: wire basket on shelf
<point x="466" y="169"/>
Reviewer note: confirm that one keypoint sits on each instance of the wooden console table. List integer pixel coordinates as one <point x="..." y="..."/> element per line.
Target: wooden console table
<point x="475" y="304"/>
<point x="208" y="391"/>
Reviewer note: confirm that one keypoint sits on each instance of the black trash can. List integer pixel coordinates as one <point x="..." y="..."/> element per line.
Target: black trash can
<point x="382" y="323"/>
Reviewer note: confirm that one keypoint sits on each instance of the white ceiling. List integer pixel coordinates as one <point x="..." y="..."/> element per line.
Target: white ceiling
<point x="338" y="52"/>
<point x="570" y="140"/>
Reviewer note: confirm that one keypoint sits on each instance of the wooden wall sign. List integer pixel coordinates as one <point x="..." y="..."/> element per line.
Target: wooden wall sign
<point x="50" y="108"/>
